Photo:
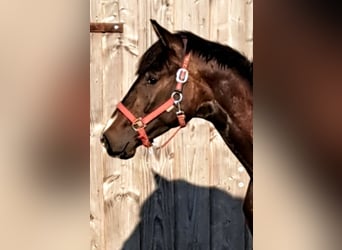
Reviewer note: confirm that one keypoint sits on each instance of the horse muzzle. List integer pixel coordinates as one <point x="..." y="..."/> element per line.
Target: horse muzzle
<point x="124" y="153"/>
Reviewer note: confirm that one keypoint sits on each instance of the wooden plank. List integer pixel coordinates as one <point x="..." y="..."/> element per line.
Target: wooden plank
<point x="249" y="28"/>
<point x="230" y="181"/>
<point x="219" y="10"/>
<point x="123" y="185"/>
<point x="96" y="171"/>
<point x="106" y="27"/>
<point x="192" y="201"/>
<point x="97" y="240"/>
<point x="96" y="195"/>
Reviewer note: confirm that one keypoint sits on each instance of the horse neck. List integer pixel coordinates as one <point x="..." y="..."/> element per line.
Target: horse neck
<point x="230" y="111"/>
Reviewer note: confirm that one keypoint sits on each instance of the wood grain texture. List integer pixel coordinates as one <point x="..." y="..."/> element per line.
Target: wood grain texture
<point x="188" y="195"/>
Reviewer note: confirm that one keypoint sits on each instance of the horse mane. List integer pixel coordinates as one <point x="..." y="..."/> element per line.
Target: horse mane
<point x="225" y="56"/>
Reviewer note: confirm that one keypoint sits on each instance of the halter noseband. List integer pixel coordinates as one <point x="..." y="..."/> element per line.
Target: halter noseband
<point x="139" y="124"/>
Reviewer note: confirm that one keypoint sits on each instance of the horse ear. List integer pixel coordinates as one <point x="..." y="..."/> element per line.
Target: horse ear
<point x="168" y="39"/>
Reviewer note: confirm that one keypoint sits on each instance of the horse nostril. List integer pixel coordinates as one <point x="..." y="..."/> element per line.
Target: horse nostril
<point x="104" y="140"/>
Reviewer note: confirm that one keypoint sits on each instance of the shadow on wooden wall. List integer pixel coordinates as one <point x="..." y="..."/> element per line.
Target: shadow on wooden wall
<point x="182" y="216"/>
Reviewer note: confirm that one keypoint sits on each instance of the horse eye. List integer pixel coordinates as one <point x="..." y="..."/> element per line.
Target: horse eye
<point x="152" y="80"/>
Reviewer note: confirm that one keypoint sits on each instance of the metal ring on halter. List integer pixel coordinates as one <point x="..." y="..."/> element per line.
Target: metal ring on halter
<point x="177" y="100"/>
<point x="138" y="124"/>
<point x="184" y="73"/>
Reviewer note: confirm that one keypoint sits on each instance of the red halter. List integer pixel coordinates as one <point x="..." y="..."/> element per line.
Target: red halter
<point x="139" y="124"/>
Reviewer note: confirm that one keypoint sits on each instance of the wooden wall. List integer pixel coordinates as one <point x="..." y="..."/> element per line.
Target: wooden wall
<point x="188" y="195"/>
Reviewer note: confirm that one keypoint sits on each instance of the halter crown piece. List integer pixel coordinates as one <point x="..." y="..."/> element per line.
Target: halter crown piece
<point x="139" y="124"/>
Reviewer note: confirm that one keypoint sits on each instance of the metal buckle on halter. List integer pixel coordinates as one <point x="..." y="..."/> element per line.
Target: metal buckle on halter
<point x="184" y="73"/>
<point x="138" y="124"/>
<point x="180" y="112"/>
<point x="177" y="97"/>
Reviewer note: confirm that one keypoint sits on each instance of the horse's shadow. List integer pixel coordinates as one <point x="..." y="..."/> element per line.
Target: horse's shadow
<point x="179" y="215"/>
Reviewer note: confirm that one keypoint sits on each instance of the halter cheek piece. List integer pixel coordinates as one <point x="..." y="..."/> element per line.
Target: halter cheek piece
<point x="139" y="124"/>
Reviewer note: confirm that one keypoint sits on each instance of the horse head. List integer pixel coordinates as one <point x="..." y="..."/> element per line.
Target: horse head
<point x="164" y="95"/>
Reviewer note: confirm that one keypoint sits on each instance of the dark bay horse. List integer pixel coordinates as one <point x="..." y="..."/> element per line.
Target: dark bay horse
<point x="182" y="76"/>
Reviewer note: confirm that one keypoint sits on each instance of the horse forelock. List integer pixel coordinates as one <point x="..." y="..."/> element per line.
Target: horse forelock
<point x="153" y="59"/>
